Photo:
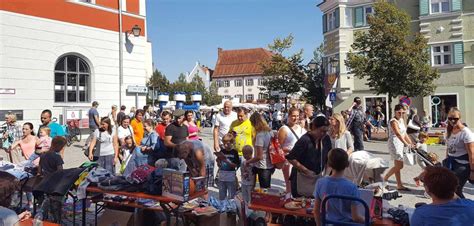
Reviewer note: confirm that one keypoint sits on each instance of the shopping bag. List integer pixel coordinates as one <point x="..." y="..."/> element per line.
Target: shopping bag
<point x="409" y="157"/>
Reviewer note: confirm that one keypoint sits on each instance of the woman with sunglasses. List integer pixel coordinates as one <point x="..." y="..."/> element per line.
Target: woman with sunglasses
<point x="398" y="139"/>
<point x="460" y="149"/>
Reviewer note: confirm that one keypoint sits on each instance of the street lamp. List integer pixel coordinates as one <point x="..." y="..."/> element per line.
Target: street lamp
<point x="313" y="64"/>
<point x="136" y="30"/>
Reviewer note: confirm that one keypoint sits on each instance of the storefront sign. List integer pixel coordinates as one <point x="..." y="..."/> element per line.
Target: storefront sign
<point x="7" y="91"/>
<point x="18" y="113"/>
<point x="137" y="89"/>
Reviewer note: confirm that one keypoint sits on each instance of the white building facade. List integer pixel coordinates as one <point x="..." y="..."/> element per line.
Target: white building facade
<point x="238" y="74"/>
<point x="61" y="61"/>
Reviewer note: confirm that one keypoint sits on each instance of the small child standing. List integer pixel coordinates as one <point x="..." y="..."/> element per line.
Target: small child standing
<point x="248" y="177"/>
<point x="422" y="148"/>
<point x="228" y="161"/>
<point x="337" y="184"/>
<point x="126" y="153"/>
<point x="42" y="144"/>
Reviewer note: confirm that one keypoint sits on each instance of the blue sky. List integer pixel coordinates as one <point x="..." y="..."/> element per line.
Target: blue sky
<point x="185" y="31"/>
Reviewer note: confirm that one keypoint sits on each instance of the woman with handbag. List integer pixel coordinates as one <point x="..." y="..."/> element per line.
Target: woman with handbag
<point x="107" y="146"/>
<point x="287" y="136"/>
<point x="263" y="167"/>
<point x="414" y="125"/>
<point x="309" y="157"/>
<point x="398" y="140"/>
<point x="460" y="150"/>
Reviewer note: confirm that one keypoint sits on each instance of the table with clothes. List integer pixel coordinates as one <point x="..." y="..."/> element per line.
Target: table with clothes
<point x="24" y="174"/>
<point x="146" y="188"/>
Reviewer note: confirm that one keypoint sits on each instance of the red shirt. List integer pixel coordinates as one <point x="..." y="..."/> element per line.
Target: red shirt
<point x="160" y="129"/>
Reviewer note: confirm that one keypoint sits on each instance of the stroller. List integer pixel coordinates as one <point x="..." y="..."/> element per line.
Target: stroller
<point x="425" y="158"/>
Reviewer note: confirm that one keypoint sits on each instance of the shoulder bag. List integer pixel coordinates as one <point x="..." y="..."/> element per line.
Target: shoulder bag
<point x="306" y="183"/>
<point x="96" y="150"/>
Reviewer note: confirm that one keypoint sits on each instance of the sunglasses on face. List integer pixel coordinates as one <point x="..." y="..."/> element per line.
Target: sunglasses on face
<point x="453" y="119"/>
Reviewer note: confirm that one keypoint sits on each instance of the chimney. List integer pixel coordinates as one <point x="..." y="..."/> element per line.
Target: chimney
<point x="219" y="50"/>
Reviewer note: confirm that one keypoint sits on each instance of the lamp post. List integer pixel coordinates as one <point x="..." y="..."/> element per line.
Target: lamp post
<point x="136" y="30"/>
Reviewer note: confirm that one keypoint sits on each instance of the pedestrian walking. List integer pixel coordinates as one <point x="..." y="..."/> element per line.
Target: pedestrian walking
<point x="222" y="123"/>
<point x="356" y="123"/>
<point x="137" y="126"/>
<point x="243" y="130"/>
<point x="398" y="140"/>
<point x="193" y="129"/>
<point x="108" y="142"/>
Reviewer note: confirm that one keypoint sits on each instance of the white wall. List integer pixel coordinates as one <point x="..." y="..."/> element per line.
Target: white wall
<point x="233" y="90"/>
<point x="30" y="47"/>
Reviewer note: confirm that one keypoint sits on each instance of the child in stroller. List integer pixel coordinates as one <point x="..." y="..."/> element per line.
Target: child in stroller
<point x="424" y="158"/>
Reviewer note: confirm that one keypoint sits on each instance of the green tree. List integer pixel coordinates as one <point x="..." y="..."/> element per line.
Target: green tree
<point x="283" y="73"/>
<point x="314" y="84"/>
<point x="210" y="97"/>
<point x="159" y="81"/>
<point x="393" y="61"/>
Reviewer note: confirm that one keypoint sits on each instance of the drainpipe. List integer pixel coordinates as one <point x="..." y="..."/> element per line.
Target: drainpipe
<point x="120" y="52"/>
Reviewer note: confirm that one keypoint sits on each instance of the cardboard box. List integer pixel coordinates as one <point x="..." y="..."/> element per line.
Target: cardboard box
<point x="176" y="184"/>
<point x="267" y="199"/>
<point x="116" y="218"/>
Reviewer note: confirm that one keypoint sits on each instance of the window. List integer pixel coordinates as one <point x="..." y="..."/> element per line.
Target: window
<point x="261" y="82"/>
<point x="227" y="97"/>
<point x="238" y="82"/>
<point x="249" y="82"/>
<point x="367" y="11"/>
<point x="249" y="97"/>
<point x="219" y="83"/>
<point x="238" y="96"/>
<point x="348" y="17"/>
<point x="262" y="96"/>
<point x="71" y="80"/>
<point x="442" y="55"/>
<point x="226" y="83"/>
<point x="332" y="20"/>
<point x="440" y="6"/>
<point x="361" y="14"/>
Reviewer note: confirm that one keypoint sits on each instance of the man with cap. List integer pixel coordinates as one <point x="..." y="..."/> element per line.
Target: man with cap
<point x="176" y="132"/>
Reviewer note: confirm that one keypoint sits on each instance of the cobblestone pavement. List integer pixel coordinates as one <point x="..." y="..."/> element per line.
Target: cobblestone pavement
<point x="75" y="157"/>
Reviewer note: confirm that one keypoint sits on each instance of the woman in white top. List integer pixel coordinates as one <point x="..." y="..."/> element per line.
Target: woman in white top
<point x="340" y="137"/>
<point x="125" y="130"/>
<point x="287" y="136"/>
<point x="460" y="149"/>
<point x="397" y="140"/>
<point x="108" y="150"/>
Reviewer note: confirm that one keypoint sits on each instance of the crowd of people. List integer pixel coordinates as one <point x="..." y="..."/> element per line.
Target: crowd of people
<point x="318" y="148"/>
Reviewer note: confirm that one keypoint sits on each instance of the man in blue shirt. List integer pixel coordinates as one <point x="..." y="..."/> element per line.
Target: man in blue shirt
<point x="93" y="114"/>
<point x="337" y="184"/>
<point x="56" y="129"/>
<point x="447" y="208"/>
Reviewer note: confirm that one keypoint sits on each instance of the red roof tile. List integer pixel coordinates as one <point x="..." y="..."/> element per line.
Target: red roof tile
<point x="240" y="62"/>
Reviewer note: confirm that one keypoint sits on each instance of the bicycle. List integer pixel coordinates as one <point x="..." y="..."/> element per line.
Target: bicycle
<point x="73" y="133"/>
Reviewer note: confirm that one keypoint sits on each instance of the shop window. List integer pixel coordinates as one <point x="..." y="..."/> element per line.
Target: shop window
<point x="71" y="80"/>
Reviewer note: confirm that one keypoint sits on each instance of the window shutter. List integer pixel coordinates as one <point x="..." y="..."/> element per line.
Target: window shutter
<point x="458" y="53"/>
<point x="359" y="17"/>
<point x="456" y="5"/>
<point x="428" y="50"/>
<point x="424" y="7"/>
<point x="325" y="23"/>
<point x="336" y="14"/>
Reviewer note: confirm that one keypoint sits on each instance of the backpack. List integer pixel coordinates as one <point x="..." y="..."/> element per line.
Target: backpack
<point x="141" y="174"/>
<point x="159" y="151"/>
